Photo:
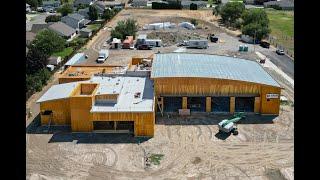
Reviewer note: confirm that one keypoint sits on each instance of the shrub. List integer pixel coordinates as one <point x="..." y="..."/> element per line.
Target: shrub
<point x="194" y="22"/>
<point x="193" y="6"/>
<point x="53" y="18"/>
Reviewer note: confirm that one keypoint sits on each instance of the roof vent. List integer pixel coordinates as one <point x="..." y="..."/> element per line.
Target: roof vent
<point x="137" y="79"/>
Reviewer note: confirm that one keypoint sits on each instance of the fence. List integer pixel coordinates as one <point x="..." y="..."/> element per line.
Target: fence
<point x="276" y="42"/>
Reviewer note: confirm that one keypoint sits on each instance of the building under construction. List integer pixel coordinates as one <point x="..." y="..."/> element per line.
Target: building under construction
<point x="126" y="99"/>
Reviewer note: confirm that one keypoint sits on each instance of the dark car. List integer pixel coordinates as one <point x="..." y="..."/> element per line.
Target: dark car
<point x="144" y="47"/>
<point x="214" y="39"/>
<point x="264" y="44"/>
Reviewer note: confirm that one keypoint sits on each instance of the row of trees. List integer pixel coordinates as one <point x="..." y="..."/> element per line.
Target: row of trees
<point x="45" y="43"/>
<point x="253" y="22"/>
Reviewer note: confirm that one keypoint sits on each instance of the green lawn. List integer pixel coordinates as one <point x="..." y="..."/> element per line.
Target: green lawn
<point x="65" y="52"/>
<point x="282" y="26"/>
<point x="94" y="27"/>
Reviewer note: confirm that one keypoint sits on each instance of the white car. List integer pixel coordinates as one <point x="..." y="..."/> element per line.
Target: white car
<point x="280" y="52"/>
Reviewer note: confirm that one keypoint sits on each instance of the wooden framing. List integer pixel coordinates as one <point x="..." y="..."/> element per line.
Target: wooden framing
<point x="193" y="86"/>
<point x="208" y="104"/>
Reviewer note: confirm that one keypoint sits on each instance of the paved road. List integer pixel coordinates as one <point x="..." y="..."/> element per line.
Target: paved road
<point x="283" y="62"/>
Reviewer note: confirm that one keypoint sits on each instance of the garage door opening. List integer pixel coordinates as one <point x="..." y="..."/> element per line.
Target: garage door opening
<point x="113" y="126"/>
<point x="244" y="104"/>
<point x="172" y="104"/>
<point x="196" y="104"/>
<point x="220" y="104"/>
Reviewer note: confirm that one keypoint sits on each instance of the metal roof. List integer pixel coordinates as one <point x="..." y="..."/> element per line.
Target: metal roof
<point x="75" y="59"/>
<point x="59" y="91"/>
<point x="209" y="66"/>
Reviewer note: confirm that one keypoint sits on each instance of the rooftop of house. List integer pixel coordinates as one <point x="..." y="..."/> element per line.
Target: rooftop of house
<point x="30" y="36"/>
<point x="75" y="16"/>
<point x="209" y="66"/>
<point x="135" y="94"/>
<point x="62" y="29"/>
<point x="79" y="71"/>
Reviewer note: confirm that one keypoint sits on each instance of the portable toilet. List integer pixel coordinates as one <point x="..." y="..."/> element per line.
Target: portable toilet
<point x="240" y="48"/>
<point x="245" y="49"/>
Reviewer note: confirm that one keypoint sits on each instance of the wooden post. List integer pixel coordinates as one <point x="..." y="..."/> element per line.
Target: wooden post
<point x="208" y="104"/>
<point x="257" y="104"/>
<point x="184" y="102"/>
<point x="232" y="104"/>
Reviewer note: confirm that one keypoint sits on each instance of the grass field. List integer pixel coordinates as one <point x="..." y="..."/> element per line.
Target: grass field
<point x="94" y="27"/>
<point x="65" y="52"/>
<point x="282" y="26"/>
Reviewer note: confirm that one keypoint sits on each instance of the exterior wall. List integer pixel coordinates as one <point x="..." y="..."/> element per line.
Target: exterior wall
<point x="273" y="105"/>
<point x="73" y="79"/>
<point x="143" y="121"/>
<point x="219" y="87"/>
<point x="80" y="113"/>
<point x="60" y="109"/>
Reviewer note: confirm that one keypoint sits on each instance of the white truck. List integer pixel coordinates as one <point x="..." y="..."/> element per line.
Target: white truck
<point x="198" y="43"/>
<point x="103" y="55"/>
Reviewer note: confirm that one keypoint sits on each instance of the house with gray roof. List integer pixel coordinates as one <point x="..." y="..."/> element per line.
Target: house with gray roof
<point x="200" y="4"/>
<point x="84" y="12"/>
<point x="51" y="3"/>
<point x="75" y="20"/>
<point x="38" y="27"/>
<point x="63" y="30"/>
<point x="283" y="4"/>
<point x="30" y="36"/>
<point x="76" y="3"/>
<point x="139" y="3"/>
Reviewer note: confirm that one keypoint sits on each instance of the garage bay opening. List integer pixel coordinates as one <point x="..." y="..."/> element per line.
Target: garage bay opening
<point x="244" y="104"/>
<point x="113" y="126"/>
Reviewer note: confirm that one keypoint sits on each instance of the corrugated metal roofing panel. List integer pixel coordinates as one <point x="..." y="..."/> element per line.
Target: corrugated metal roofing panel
<point x="209" y="66"/>
<point x="75" y="59"/>
<point x="59" y="91"/>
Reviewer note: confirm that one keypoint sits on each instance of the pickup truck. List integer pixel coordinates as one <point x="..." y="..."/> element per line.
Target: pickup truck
<point x="103" y="55"/>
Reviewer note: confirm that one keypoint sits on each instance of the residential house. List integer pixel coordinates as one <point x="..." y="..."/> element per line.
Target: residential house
<point x="51" y="3"/>
<point x="38" y="27"/>
<point x="63" y="30"/>
<point x="85" y="32"/>
<point x="75" y="20"/>
<point x="28" y="9"/>
<point x="30" y="37"/>
<point x="200" y="4"/>
<point x="84" y="12"/>
<point x="100" y="6"/>
<point x="76" y="3"/>
<point x="283" y="4"/>
<point x="139" y="3"/>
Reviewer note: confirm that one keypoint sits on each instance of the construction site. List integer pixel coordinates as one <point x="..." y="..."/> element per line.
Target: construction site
<point x="171" y="112"/>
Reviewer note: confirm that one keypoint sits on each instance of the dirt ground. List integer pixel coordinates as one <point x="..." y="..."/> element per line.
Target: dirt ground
<point x="192" y="146"/>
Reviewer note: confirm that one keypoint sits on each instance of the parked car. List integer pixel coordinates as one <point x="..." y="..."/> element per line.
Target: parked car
<point x="264" y="44"/>
<point x="280" y="52"/>
<point x="144" y="47"/>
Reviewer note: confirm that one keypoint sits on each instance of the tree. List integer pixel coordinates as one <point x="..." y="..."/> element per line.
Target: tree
<point x="231" y="11"/>
<point x="108" y="14"/>
<point x="33" y="3"/>
<point x="48" y="42"/>
<point x="216" y="10"/>
<point x="36" y="60"/>
<point x="53" y="18"/>
<point x="255" y="23"/>
<point x="193" y="6"/>
<point x="93" y="13"/>
<point x="82" y="6"/>
<point x="194" y="22"/>
<point x="65" y="9"/>
<point x="125" y="28"/>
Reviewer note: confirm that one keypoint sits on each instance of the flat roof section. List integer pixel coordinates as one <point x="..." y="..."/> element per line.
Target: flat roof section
<point x="126" y="87"/>
<point x="127" y="102"/>
<point x="209" y="66"/>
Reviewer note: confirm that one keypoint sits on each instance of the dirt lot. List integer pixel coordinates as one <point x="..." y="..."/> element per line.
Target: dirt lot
<point x="192" y="147"/>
